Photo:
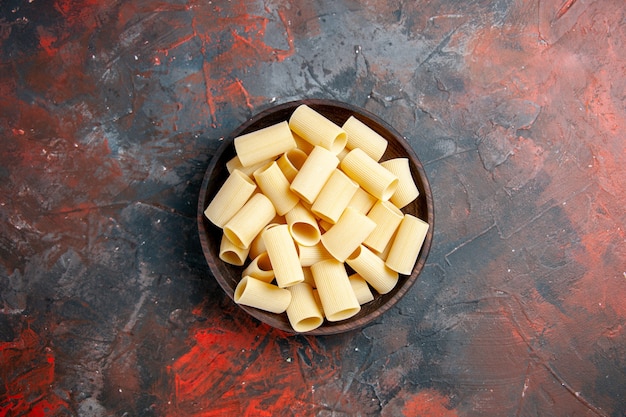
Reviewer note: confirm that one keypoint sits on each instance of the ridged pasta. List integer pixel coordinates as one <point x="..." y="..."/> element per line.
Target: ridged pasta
<point x="387" y="218"/>
<point x="283" y="255"/>
<point x="264" y="144"/>
<point x="243" y="227"/>
<point x="230" y="198"/>
<point x="314" y="173"/>
<point x="373" y="177"/>
<point x="317" y="129"/>
<point x="334" y="289"/>
<point x="275" y="186"/>
<point x="407" y="244"/>
<point x="364" y="137"/>
<point x="334" y="197"/>
<point x="262" y="295"/>
<point x="373" y="270"/>
<point x="347" y="234"/>
<point x="303" y="312"/>
<point x="407" y="190"/>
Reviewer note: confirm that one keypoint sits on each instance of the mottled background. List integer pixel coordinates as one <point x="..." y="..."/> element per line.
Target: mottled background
<point x="109" y="115"/>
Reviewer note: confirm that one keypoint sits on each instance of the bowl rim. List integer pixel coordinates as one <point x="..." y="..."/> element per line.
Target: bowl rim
<point x="425" y="191"/>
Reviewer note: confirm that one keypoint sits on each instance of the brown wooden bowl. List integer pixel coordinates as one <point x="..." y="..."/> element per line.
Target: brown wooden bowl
<point x="210" y="236"/>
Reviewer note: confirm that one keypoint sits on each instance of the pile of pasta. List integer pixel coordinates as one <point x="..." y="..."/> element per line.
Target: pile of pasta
<point x="316" y="218"/>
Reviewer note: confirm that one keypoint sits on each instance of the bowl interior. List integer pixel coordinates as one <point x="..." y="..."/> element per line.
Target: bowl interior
<point x="210" y="236"/>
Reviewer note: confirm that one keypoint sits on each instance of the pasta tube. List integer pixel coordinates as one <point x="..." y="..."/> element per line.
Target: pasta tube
<point x="387" y="218"/>
<point x="309" y="255"/>
<point x="260" y="268"/>
<point x="364" y="137"/>
<point x="407" y="244"/>
<point x="373" y="177"/>
<point x="258" y="294"/>
<point x="231" y="197"/>
<point x="334" y="289"/>
<point x="243" y="227"/>
<point x="361" y="289"/>
<point x="231" y="253"/>
<point x="317" y="129"/>
<point x="291" y="162"/>
<point x="347" y="234"/>
<point x="334" y="197"/>
<point x="303" y="312"/>
<point x="303" y="226"/>
<point x="234" y="163"/>
<point x="275" y="186"/>
<point x="373" y="270"/>
<point x="362" y="201"/>
<point x="283" y="255"/>
<point x="406" y="191"/>
<point x="314" y="173"/>
<point x="264" y="144"/>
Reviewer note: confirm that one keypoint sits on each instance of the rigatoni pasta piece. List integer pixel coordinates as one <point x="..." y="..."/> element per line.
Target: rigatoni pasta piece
<point x="317" y="129"/>
<point x="362" y="201"/>
<point x="407" y="244"/>
<point x="283" y="255"/>
<point x="303" y="312"/>
<point x="230" y="198"/>
<point x="364" y="137"/>
<point x="257" y="246"/>
<point x="314" y="173"/>
<point x="303" y="225"/>
<point x="231" y="253"/>
<point x="361" y="289"/>
<point x="407" y="190"/>
<point x="347" y="234"/>
<point x="275" y="186"/>
<point x="252" y="292"/>
<point x="243" y="227"/>
<point x="290" y="162"/>
<point x="308" y="276"/>
<point x="234" y="163"/>
<point x="260" y="268"/>
<point x="334" y="289"/>
<point x="373" y="270"/>
<point x="373" y="177"/>
<point x="334" y="197"/>
<point x="387" y="218"/>
<point x="264" y="144"/>
<point x="309" y="255"/>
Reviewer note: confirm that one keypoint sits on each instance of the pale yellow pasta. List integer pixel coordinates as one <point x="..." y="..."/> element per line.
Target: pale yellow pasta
<point x="317" y="129"/>
<point x="373" y="177"/>
<point x="324" y="225"/>
<point x="361" y="289"/>
<point x="302" y="144"/>
<point x="290" y="162"/>
<point x="234" y="163"/>
<point x="364" y="137"/>
<point x="283" y="255"/>
<point x="257" y="246"/>
<point x="275" y="186"/>
<point x="303" y="225"/>
<point x="334" y="289"/>
<point x="260" y="268"/>
<point x="407" y="244"/>
<point x="243" y="227"/>
<point x="264" y="144"/>
<point x="308" y="276"/>
<point x="314" y="173"/>
<point x="373" y="270"/>
<point x="303" y="312"/>
<point x="230" y="198"/>
<point x="387" y="218"/>
<point x="252" y="292"/>
<point x="309" y="255"/>
<point x="316" y="295"/>
<point x="407" y="190"/>
<point x="347" y="234"/>
<point x="362" y="201"/>
<point x="334" y="197"/>
<point x="231" y="253"/>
